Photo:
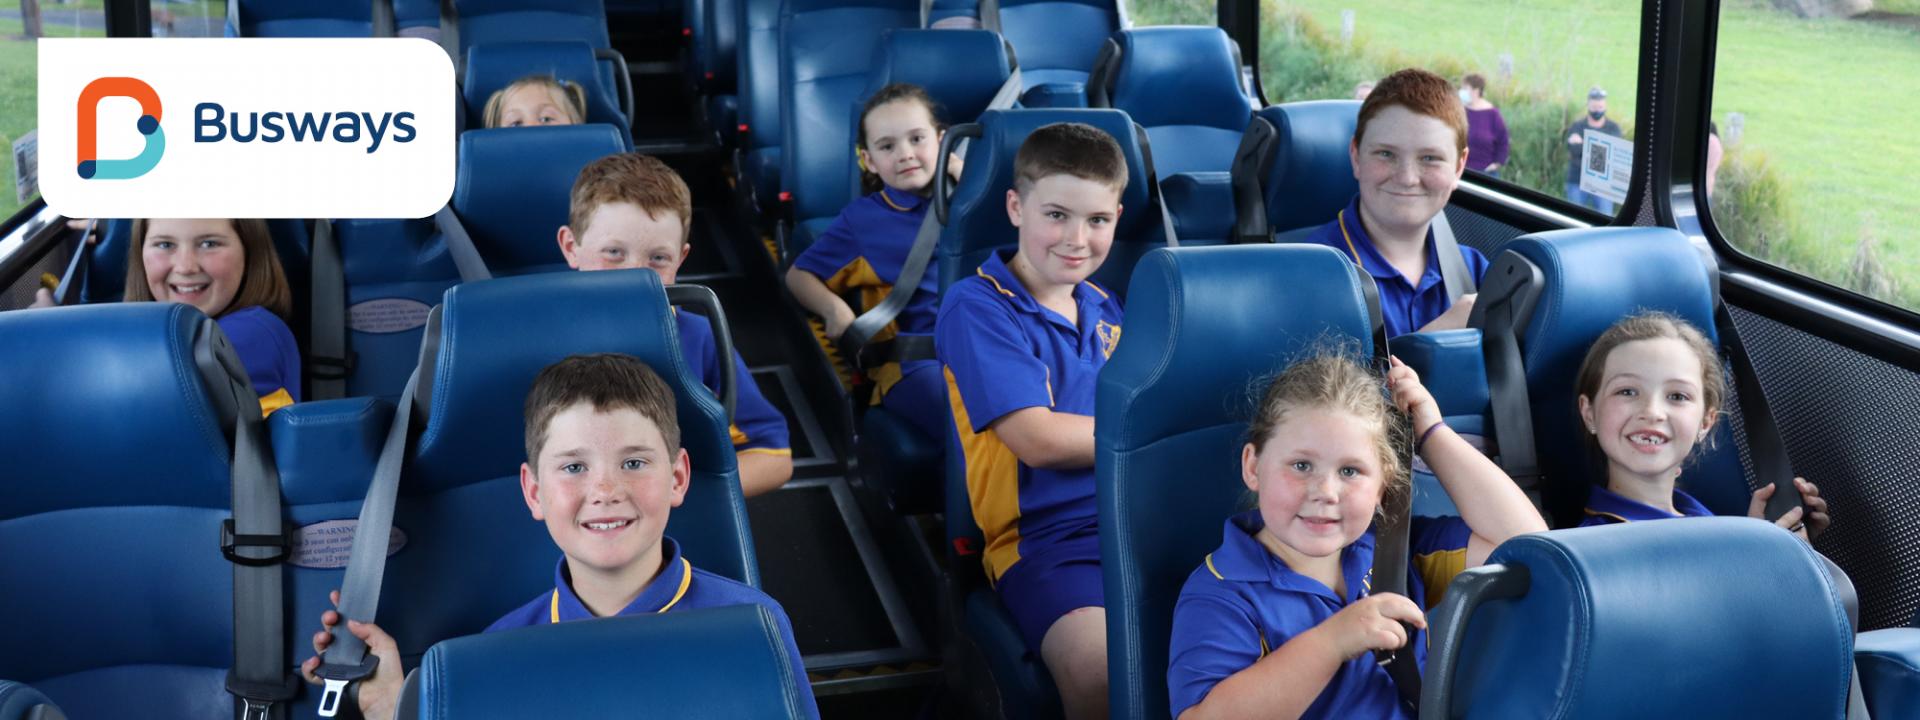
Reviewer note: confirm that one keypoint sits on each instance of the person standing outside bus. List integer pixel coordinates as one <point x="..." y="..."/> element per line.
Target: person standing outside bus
<point x="1597" y="121"/>
<point x="1487" y="141"/>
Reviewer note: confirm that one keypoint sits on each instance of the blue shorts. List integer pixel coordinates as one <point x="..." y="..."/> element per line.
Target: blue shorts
<point x="1040" y="589"/>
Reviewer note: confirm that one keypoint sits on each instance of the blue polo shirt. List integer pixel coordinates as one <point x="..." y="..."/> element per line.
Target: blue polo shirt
<point x="757" y="426"/>
<point x="1003" y="352"/>
<point x="864" y="249"/>
<point x="679" y="586"/>
<point x="267" y="349"/>
<point x="1244" y="602"/>
<point x="1407" y="307"/>
<point x="1606" y="507"/>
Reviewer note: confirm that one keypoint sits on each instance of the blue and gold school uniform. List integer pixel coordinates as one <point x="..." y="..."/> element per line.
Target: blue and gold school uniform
<point x="1243" y="602"/>
<point x="758" y="427"/>
<point x="1004" y="352"/>
<point x="1606" y="507"/>
<point x="1405" y="306"/>
<point x="679" y="586"/>
<point x="864" y="250"/>
<point x="267" y="349"/>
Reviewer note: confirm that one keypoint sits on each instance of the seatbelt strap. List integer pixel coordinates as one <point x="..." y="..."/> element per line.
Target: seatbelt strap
<point x="990" y="14"/>
<point x="1390" y="536"/>
<point x="1453" y="266"/>
<point x="450" y="36"/>
<point x="871" y="322"/>
<point x="1507" y="385"/>
<point x="926" y="13"/>
<point x="1771" y="466"/>
<point x="346" y="660"/>
<point x="1153" y="187"/>
<point x="328" y="362"/>
<point x="233" y="17"/>
<point x="255" y="540"/>
<point x="384" y="25"/>
<point x="68" y="291"/>
<point x="460" y="245"/>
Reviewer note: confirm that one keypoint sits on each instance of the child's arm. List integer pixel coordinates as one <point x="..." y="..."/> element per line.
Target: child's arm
<point x="1287" y="681"/>
<point x="762" y="473"/>
<point x="1493" y="507"/>
<point x="1814" y="511"/>
<point x="378" y="695"/>
<point x="1043" y="438"/>
<point x="815" y="297"/>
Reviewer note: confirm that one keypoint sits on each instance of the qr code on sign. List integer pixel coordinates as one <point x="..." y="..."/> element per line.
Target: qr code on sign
<point x="1597" y="159"/>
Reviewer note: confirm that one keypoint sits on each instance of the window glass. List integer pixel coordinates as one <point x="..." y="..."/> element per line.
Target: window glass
<point x="1816" y="159"/>
<point x="188" y="18"/>
<point x="1539" y="62"/>
<point x="1171" y="12"/>
<point x="21" y="26"/>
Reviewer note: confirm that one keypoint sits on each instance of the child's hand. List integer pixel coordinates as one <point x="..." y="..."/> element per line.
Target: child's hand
<point x="43" y="298"/>
<point x="1455" y="317"/>
<point x="378" y="695"/>
<point x="838" y="322"/>
<point x="1805" y="522"/>
<point x="1411" y="397"/>
<point x="954" y="164"/>
<point x="1372" y="623"/>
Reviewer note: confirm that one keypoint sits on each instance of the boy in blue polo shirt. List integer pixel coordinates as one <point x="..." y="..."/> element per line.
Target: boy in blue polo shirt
<point x="1409" y="150"/>
<point x="1023" y="341"/>
<point x="632" y="211"/>
<point x="604" y="470"/>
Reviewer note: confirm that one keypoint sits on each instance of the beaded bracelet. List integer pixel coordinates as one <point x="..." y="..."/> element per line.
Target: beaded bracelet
<point x="1422" y="442"/>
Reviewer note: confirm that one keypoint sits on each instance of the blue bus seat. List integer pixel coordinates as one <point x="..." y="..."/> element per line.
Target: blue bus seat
<point x="1889" y="665"/>
<point x="469" y="551"/>
<point x="1056" y="42"/>
<point x="826" y="48"/>
<point x="1747" y="611"/>
<point x="760" y="88"/>
<point x="723" y="662"/>
<point x="1453" y="367"/>
<point x="303" y="19"/>
<point x="513" y="189"/>
<point x="494" y="66"/>
<point x="1204" y="326"/>
<point x="118" y="481"/>
<point x="484" y="22"/>
<point x="21" y="702"/>
<point x="714" y="69"/>
<point x="395" y="272"/>
<point x="1301" y="175"/>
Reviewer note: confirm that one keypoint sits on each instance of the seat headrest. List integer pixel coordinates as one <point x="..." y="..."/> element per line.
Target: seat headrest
<point x="304" y="18"/>
<point x="1723" y="617"/>
<point x="494" y="66"/>
<point x="1308" y="177"/>
<point x="712" y="662"/>
<point x="490" y="21"/>
<point x="960" y="69"/>
<point x="107" y="405"/>
<point x="1176" y="75"/>
<point x="495" y="336"/>
<point x="794" y="7"/>
<point x="977" y="222"/>
<point x="513" y="187"/>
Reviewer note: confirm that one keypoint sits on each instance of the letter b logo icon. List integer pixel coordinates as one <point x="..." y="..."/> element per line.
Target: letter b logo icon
<point x="91" y="166"/>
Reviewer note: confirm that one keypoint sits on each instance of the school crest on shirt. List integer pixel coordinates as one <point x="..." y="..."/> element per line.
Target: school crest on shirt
<point x="1109" y="337"/>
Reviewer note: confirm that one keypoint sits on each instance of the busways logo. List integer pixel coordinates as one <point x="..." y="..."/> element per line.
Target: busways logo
<point x="288" y="128"/>
<point x="91" y="166"/>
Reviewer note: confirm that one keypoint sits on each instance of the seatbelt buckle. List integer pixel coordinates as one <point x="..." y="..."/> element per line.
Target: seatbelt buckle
<point x="258" y="699"/>
<point x="337" y="681"/>
<point x="230" y="542"/>
<point x="332" y="368"/>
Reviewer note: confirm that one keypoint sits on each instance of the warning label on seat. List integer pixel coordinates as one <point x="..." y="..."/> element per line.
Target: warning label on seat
<point x="326" y="545"/>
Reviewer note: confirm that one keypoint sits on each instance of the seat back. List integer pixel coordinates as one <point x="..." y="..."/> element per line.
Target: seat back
<point x="21" y="702"/>
<point x="1747" y="611"/>
<point x="1183" y="85"/>
<point x="716" y="45"/>
<point x="1056" y="41"/>
<point x="395" y="272"/>
<point x="1204" y="327"/>
<point x="514" y="186"/>
<point x="826" y="48"/>
<point x="118" y="477"/>
<point x="760" y="87"/>
<point x="494" y="66"/>
<point x="1299" y="174"/>
<point x="976" y="219"/>
<point x="1586" y="289"/>
<point x="493" y="21"/>
<point x="712" y="662"/>
<point x="471" y="551"/>
<point x="304" y="19"/>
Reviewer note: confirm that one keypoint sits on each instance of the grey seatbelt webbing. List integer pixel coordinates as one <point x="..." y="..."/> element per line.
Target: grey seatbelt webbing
<point x="346" y="659"/>
<point x="384" y="24"/>
<point x="1390" y="538"/>
<point x="233" y="17"/>
<point x="1453" y="266"/>
<point x="1771" y="466"/>
<point x="990" y="14"/>
<point x="1153" y="184"/>
<point x="926" y="12"/>
<point x="460" y="245"/>
<point x="450" y="36"/>
<point x="328" y="364"/>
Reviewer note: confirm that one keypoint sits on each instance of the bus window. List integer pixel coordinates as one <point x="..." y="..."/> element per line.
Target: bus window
<point x="188" y="18"/>
<point x="1552" y="74"/>
<point x="1815" y="158"/>
<point x="21" y="25"/>
<point x="1144" y="13"/>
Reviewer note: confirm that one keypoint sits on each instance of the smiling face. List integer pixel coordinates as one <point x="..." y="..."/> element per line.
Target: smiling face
<point x="1320" y="480"/>
<point x="530" y="104"/>
<point x="604" y="483"/>
<point x="1648" y="412"/>
<point x="1066" y="227"/>
<point x="1408" y="165"/>
<point x="197" y="262"/>
<point x="621" y="235"/>
<point x="901" y="144"/>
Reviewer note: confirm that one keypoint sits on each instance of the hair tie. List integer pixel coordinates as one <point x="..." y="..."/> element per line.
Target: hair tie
<point x="1422" y="442"/>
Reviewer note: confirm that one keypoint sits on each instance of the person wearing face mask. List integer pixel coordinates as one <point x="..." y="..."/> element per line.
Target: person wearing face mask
<point x="1597" y="121"/>
<point x="1486" y="129"/>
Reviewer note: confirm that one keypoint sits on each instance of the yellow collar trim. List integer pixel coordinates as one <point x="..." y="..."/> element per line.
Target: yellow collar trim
<point x="1342" y="218"/>
<point x="1591" y="511"/>
<point x="1212" y="569"/>
<point x="885" y="198"/>
<point x="996" y="283"/>
<point x="686" y="581"/>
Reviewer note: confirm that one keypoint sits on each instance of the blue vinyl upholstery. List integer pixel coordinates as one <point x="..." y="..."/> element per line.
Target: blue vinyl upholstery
<point x="1056" y="41"/>
<point x="1889" y="665"/>
<point x="1204" y="325"/>
<point x="396" y="270"/>
<point x="1183" y="85"/>
<point x="826" y="48"/>
<point x="494" y="66"/>
<point x="16" y="700"/>
<point x="716" y="44"/>
<point x="513" y="187"/>
<point x="725" y="662"/>
<point x="1308" y="176"/>
<point x="493" y="21"/>
<point x="118" y="478"/>
<point x="759" y="86"/>
<point x="1202" y="206"/>
<point x="1708" y="619"/>
<point x="305" y="19"/>
<point x="1453" y="366"/>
